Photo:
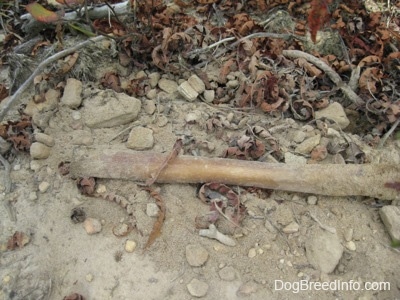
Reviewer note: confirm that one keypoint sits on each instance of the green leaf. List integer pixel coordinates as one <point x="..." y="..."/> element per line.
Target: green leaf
<point x="41" y="14"/>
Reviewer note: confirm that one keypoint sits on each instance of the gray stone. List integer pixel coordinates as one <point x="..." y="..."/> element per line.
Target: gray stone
<point x="44" y="139"/>
<point x="293" y="159"/>
<point x="168" y="86"/>
<point x="197" y="84"/>
<point x="306" y="146"/>
<point x="152" y="210"/>
<point x="391" y="218"/>
<point x="187" y="91"/>
<point x="291" y="228"/>
<point x="312" y="200"/>
<point x="140" y="138"/>
<point x="227" y="273"/>
<point x="92" y="226"/>
<point x="335" y="112"/>
<point x="39" y="151"/>
<point x="150" y="107"/>
<point x="109" y="111"/>
<point x="324" y="251"/>
<point x="209" y="96"/>
<point x="196" y="255"/>
<point x="153" y="79"/>
<point x="197" y="288"/>
<point x="72" y="93"/>
<point x="51" y="98"/>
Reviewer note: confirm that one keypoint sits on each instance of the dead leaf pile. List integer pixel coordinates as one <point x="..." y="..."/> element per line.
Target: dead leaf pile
<point x="223" y="202"/>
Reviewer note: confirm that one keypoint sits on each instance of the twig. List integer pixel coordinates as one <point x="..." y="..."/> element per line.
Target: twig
<point x="198" y="51"/>
<point x="387" y="134"/>
<point x="323" y="226"/>
<point x="350" y="94"/>
<point x="39" y="69"/>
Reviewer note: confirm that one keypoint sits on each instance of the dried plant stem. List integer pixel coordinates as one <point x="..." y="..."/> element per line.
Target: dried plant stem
<point x="333" y="180"/>
<point x="389" y="133"/>
<point x="10" y="101"/>
<point x="329" y="71"/>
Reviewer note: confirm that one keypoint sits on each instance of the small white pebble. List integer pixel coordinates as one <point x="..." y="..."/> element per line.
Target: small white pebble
<point x="130" y="246"/>
<point x="89" y="277"/>
<point x="6" y="279"/>
<point x="252" y="253"/>
<point x="44" y="186"/>
<point x="17" y="167"/>
<point x="101" y="188"/>
<point x="351" y="246"/>
<point x="92" y="225"/>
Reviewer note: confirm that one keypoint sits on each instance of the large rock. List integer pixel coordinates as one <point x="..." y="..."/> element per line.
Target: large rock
<point x="334" y="112"/>
<point x="324" y="251"/>
<point x="110" y="109"/>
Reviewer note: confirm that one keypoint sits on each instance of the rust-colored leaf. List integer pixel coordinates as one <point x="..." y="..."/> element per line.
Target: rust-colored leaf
<point x="174" y="153"/>
<point x="156" y="231"/>
<point x="317" y="17"/>
<point x="19" y="239"/>
<point x="41" y="14"/>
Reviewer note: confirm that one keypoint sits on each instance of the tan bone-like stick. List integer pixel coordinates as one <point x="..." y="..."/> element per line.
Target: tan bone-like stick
<point x="333" y="180"/>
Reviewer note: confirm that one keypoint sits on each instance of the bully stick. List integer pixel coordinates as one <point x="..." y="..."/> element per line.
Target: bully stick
<point x="373" y="180"/>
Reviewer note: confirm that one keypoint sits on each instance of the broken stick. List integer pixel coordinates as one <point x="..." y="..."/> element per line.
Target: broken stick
<point x="373" y="180"/>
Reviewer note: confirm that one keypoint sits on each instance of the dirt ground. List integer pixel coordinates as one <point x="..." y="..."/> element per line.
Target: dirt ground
<point x="62" y="258"/>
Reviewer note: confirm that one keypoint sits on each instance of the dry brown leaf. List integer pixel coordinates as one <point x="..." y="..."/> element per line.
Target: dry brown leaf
<point x="174" y="153"/>
<point x="369" y="78"/>
<point x="369" y="60"/>
<point x="156" y="231"/>
<point x="19" y="239"/>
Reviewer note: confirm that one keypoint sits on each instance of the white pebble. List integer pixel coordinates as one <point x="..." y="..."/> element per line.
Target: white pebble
<point x="44" y="186"/>
<point x="130" y="246"/>
<point x="351" y="246"/>
<point x="89" y="277"/>
<point x="252" y="253"/>
<point x="92" y="225"/>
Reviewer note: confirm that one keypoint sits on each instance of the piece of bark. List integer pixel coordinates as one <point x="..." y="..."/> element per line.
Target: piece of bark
<point x="334" y="180"/>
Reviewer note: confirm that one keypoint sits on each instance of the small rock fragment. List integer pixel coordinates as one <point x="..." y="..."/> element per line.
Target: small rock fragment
<point x="89" y="277"/>
<point x="44" y="186"/>
<point x="130" y="246"/>
<point x="252" y="253"/>
<point x="140" y="138"/>
<point x="150" y="107"/>
<point x="312" y="200"/>
<point x="51" y="102"/>
<point x="72" y="93"/>
<point x="152" y="210"/>
<point x="335" y="112"/>
<point x="39" y="151"/>
<point x="167" y="85"/>
<point x="351" y="246"/>
<point x="154" y="78"/>
<point x="390" y="216"/>
<point x="247" y="289"/>
<point x="306" y="146"/>
<point x="44" y="139"/>
<point x="324" y="251"/>
<point x="232" y="84"/>
<point x="197" y="288"/>
<point x="92" y="225"/>
<point x="227" y="273"/>
<point x="293" y="159"/>
<point x="197" y="84"/>
<point x="196" y="255"/>
<point x="186" y="90"/>
<point x="162" y="121"/>
<point x="348" y="235"/>
<point x="291" y="228"/>
<point x="209" y="96"/>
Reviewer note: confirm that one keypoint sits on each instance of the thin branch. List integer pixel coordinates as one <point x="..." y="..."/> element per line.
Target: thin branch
<point x="389" y="133"/>
<point x="350" y="94"/>
<point x="7" y="104"/>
